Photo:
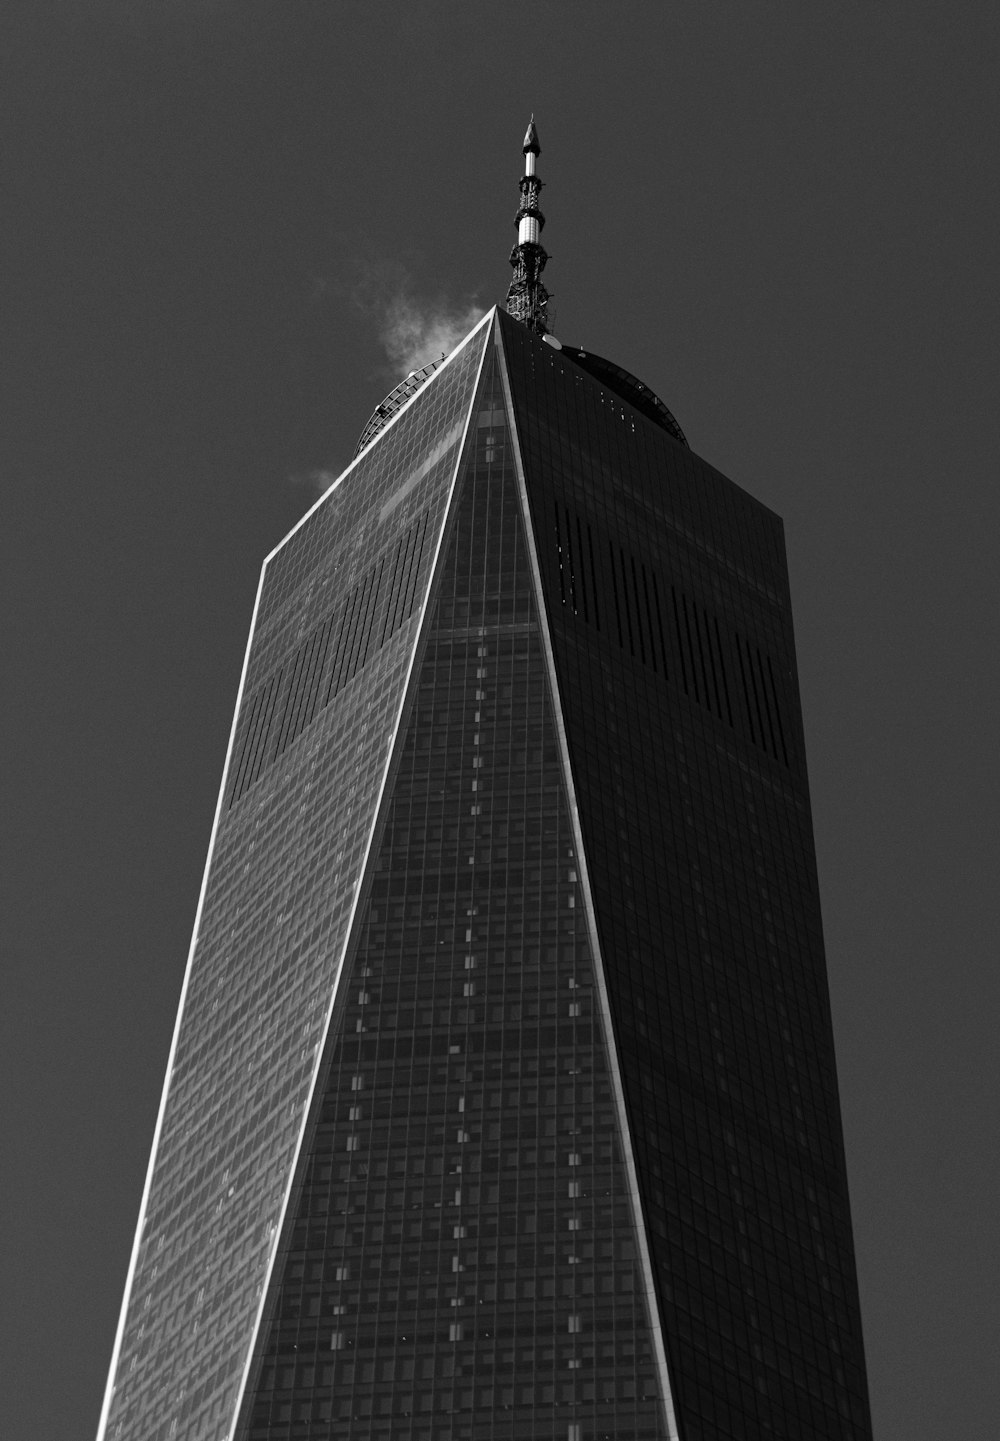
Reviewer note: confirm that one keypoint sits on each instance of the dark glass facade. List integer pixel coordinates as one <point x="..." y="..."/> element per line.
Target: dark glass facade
<point x="502" y="1102"/>
<point x="666" y="592"/>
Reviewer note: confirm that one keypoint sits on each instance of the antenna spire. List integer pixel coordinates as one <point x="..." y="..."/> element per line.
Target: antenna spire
<point x="527" y="298"/>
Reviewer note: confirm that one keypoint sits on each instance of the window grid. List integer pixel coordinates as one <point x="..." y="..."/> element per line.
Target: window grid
<point x="450" y="1190"/>
<point x="700" y="856"/>
<point x="281" y="885"/>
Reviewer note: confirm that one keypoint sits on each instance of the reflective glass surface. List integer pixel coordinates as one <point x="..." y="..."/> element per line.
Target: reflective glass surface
<point x="667" y="597"/>
<point x="392" y="1015"/>
<point x="281" y="886"/>
<point x="462" y="1260"/>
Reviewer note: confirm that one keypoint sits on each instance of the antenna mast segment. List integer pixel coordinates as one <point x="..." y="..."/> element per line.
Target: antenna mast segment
<point x="527" y="298"/>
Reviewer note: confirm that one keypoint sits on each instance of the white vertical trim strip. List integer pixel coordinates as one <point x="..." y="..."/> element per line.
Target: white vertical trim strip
<point x="362" y="870"/>
<point x="635" y="1199"/>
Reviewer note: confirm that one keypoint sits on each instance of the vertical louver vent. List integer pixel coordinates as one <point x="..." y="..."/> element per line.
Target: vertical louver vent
<point x="761" y="692"/>
<point x="699" y="645"/>
<point x="327" y="660"/>
<point x="620" y="594"/>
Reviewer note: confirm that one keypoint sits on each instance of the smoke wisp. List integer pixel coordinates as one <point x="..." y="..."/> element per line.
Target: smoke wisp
<point x="413" y="334"/>
<point x="412" y="330"/>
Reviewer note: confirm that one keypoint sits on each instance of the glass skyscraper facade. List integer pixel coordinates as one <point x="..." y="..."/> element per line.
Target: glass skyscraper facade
<point x="502" y="1100"/>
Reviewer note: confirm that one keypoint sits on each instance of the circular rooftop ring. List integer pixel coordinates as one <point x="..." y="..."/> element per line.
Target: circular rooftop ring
<point x="394" y="401"/>
<point x="617" y="379"/>
<point x="626" y="387"/>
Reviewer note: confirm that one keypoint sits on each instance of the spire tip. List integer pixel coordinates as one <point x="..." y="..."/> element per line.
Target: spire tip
<point x="527" y="298"/>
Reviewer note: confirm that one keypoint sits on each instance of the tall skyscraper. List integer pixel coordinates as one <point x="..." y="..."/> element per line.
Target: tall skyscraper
<point x="502" y="1099"/>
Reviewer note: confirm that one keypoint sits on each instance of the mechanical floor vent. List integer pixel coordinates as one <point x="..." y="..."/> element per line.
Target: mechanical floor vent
<point x="620" y="594"/>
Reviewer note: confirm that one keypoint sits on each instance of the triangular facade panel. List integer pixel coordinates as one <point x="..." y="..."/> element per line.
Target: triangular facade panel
<point x="462" y="1261"/>
<point x="666" y="600"/>
<point x="330" y="652"/>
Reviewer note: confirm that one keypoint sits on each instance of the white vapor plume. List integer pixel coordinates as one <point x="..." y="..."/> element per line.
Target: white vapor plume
<point x="412" y="331"/>
<point x="415" y="333"/>
<point x="317" y="480"/>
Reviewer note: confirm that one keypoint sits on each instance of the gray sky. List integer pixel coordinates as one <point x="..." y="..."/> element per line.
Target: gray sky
<point x="783" y="218"/>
